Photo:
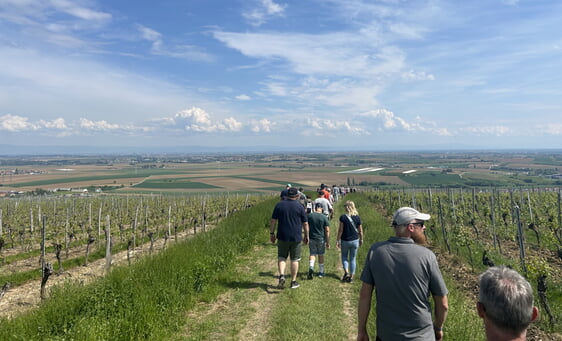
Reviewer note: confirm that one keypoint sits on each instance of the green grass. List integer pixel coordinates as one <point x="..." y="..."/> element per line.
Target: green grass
<point x="173" y="184"/>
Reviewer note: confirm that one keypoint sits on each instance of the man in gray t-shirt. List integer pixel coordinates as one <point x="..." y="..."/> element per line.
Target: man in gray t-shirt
<point x="404" y="275"/>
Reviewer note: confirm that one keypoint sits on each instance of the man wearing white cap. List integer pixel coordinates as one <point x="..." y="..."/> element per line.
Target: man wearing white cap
<point x="404" y="275"/>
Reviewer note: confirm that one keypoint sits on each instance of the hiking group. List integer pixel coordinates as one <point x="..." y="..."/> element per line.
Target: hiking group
<point x="401" y="272"/>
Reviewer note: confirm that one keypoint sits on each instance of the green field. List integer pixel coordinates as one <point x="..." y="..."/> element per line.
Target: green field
<point x="173" y="184"/>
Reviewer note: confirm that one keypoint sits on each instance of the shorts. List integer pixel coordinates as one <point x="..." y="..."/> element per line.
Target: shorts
<point x="317" y="247"/>
<point x="289" y="249"/>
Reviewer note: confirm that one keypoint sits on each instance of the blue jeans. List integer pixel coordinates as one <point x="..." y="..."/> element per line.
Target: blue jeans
<point x="349" y="255"/>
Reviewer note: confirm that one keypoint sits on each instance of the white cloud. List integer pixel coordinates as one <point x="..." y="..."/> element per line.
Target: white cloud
<point x="263" y="125"/>
<point x="265" y="10"/>
<point x="182" y="51"/>
<point x="97" y="125"/>
<point x="73" y="8"/>
<point x="15" y="123"/>
<point x="388" y="121"/>
<point x="198" y="120"/>
<point x="335" y="54"/>
<point x="417" y="76"/>
<point x="323" y="127"/>
<point x="243" y="97"/>
<point x="58" y="123"/>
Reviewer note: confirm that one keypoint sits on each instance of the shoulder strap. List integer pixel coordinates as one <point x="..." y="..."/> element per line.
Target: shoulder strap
<point x="352" y="223"/>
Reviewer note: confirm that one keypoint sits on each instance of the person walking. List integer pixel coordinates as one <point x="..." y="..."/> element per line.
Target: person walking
<point x="350" y="237"/>
<point x="290" y="218"/>
<point x="327" y="207"/>
<point x="404" y="274"/>
<point x="319" y="233"/>
<point x="505" y="304"/>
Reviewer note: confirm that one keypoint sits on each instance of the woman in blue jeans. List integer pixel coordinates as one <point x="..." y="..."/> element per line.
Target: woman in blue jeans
<point x="350" y="237"/>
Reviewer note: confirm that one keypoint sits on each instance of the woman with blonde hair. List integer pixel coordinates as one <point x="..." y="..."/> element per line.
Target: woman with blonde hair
<point x="350" y="237"/>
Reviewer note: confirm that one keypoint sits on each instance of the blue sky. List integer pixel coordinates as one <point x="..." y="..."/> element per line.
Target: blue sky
<point x="354" y="74"/>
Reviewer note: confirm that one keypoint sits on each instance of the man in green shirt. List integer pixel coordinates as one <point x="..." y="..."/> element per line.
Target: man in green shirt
<point x="319" y="231"/>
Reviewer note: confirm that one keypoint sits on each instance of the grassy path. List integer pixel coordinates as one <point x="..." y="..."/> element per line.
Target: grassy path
<point x="254" y="309"/>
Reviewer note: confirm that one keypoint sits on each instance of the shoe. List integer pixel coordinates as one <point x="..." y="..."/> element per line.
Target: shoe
<point x="320" y="275"/>
<point x="294" y="284"/>
<point x="349" y="279"/>
<point x="310" y="274"/>
<point x="281" y="284"/>
<point x="345" y="277"/>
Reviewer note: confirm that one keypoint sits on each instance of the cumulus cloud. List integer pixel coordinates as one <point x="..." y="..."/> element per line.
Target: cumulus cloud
<point x="386" y="120"/>
<point x="321" y="127"/>
<point x="264" y="10"/>
<point x="261" y="126"/>
<point x="198" y="120"/>
<point x="102" y="125"/>
<point x="15" y="123"/>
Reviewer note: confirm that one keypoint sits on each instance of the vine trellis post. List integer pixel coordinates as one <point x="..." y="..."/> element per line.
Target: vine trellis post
<point x="443" y="230"/>
<point x="520" y="239"/>
<point x="108" y="245"/>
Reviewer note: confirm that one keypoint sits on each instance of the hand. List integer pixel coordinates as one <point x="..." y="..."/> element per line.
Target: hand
<point x="305" y="239"/>
<point x="438" y="335"/>
<point x="327" y="245"/>
<point x="338" y="244"/>
<point x="272" y="238"/>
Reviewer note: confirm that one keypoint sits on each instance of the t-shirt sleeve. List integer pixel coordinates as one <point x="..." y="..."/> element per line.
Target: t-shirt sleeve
<point x="275" y="214"/>
<point x="366" y="274"/>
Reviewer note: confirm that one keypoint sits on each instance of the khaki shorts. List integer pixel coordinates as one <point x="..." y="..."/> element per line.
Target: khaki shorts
<point x="289" y="249"/>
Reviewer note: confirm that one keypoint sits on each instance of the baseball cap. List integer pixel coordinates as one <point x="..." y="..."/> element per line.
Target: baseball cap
<point x="293" y="192"/>
<point x="405" y="215"/>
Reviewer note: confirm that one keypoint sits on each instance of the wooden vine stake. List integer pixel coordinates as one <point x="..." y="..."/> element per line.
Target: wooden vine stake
<point x="443" y="229"/>
<point x="520" y="239"/>
<point x="108" y="245"/>
<point x="42" y="259"/>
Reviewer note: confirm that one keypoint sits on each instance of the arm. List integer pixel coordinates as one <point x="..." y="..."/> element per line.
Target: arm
<point x="441" y="308"/>
<point x="272" y="224"/>
<point x="360" y="230"/>
<point x="306" y="235"/>
<point x="365" y="296"/>
<point x="340" y="232"/>
<point x="327" y="235"/>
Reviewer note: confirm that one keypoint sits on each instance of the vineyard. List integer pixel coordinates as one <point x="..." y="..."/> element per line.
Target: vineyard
<point x="221" y="284"/>
<point x="43" y="237"/>
<point x="518" y="228"/>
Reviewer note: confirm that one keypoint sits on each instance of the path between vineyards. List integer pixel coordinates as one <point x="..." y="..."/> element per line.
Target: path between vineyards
<point x="253" y="308"/>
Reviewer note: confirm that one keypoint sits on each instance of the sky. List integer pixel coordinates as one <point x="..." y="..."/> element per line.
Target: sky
<point x="346" y="74"/>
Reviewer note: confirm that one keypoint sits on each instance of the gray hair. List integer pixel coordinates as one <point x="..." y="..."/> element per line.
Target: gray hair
<point x="507" y="298"/>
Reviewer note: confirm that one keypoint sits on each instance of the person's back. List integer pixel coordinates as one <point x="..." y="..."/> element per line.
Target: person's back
<point x="316" y="222"/>
<point x="326" y="206"/>
<point x="403" y="273"/>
